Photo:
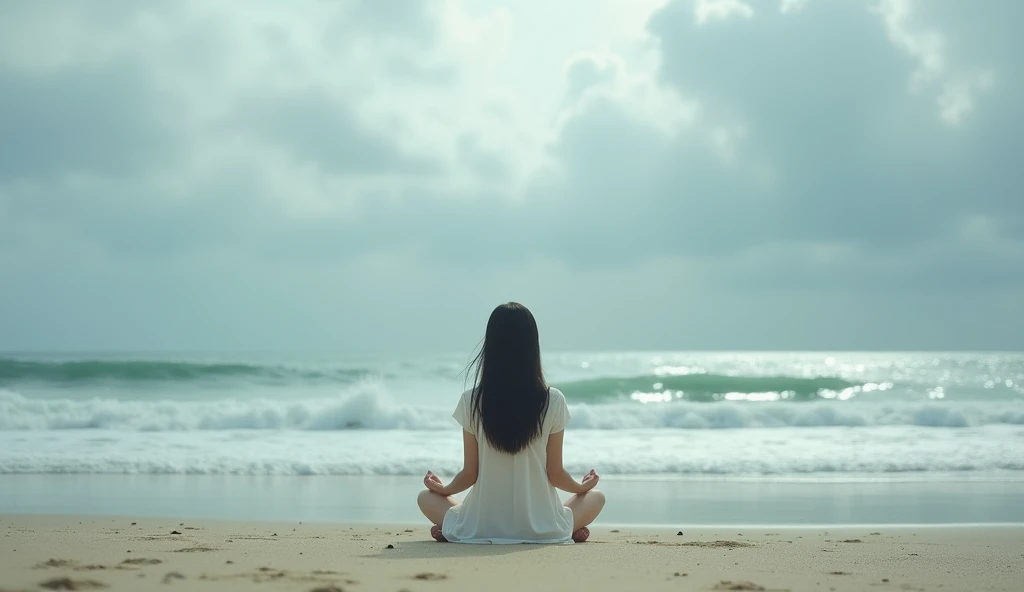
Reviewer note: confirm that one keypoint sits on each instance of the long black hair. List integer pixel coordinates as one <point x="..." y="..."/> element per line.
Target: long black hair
<point x="510" y="396"/>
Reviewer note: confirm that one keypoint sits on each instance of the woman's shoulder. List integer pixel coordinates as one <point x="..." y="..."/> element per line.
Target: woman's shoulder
<point x="466" y="398"/>
<point x="555" y="395"/>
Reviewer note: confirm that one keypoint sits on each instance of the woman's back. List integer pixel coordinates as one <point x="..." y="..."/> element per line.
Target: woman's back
<point x="513" y="430"/>
<point x="513" y="500"/>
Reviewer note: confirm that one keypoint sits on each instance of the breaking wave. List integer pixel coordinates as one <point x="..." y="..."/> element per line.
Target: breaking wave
<point x="363" y="407"/>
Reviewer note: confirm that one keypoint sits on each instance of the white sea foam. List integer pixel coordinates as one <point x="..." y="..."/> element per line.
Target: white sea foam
<point x="779" y="451"/>
<point x="366" y="408"/>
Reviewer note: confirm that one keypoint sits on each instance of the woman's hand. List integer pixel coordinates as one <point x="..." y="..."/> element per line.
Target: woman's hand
<point x="590" y="481"/>
<point x="433" y="483"/>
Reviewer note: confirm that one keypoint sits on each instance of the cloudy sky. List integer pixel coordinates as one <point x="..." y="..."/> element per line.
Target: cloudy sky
<point x="376" y="175"/>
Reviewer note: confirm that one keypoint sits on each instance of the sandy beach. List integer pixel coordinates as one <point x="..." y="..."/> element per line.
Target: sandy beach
<point x="82" y="553"/>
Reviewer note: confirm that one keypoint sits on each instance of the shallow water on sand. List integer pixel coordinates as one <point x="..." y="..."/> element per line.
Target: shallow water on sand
<point x="632" y="500"/>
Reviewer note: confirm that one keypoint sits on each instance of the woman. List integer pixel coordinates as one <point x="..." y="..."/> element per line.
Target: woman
<point x="513" y="425"/>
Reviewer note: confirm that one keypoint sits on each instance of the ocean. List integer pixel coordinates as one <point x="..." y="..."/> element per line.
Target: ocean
<point x="664" y="415"/>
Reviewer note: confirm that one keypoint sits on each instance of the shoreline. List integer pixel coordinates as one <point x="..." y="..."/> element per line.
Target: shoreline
<point x="391" y="500"/>
<point x="143" y="554"/>
<point x="598" y="526"/>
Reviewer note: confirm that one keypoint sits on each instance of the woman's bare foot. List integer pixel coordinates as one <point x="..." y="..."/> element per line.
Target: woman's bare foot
<point x="435" y="531"/>
<point x="581" y="535"/>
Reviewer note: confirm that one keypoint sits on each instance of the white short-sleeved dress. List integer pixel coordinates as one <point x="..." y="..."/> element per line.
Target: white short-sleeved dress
<point x="512" y="501"/>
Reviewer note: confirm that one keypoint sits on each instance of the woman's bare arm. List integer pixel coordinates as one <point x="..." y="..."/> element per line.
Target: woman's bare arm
<point x="466" y="478"/>
<point x="557" y="474"/>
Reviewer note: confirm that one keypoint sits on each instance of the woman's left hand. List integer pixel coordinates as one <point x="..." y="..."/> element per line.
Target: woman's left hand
<point x="433" y="483"/>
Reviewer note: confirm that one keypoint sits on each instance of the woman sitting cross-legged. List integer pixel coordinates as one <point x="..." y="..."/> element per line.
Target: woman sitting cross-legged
<point x="513" y="427"/>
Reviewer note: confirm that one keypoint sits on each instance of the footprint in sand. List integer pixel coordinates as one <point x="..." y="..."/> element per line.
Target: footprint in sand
<point x="67" y="563"/>
<point x="430" y="576"/>
<point x="738" y="585"/>
<point x="69" y="584"/>
<point x="141" y="561"/>
<point x="55" y="563"/>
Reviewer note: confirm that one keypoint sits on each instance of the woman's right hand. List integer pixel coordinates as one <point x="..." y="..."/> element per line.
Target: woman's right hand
<point x="590" y="481"/>
<point x="433" y="483"/>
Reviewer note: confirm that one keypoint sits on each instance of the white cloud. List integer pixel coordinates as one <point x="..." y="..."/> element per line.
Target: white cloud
<point x="792" y="6"/>
<point x="592" y="76"/>
<point x="589" y="70"/>
<point x="706" y="11"/>
<point x="956" y="89"/>
<point x="957" y="99"/>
